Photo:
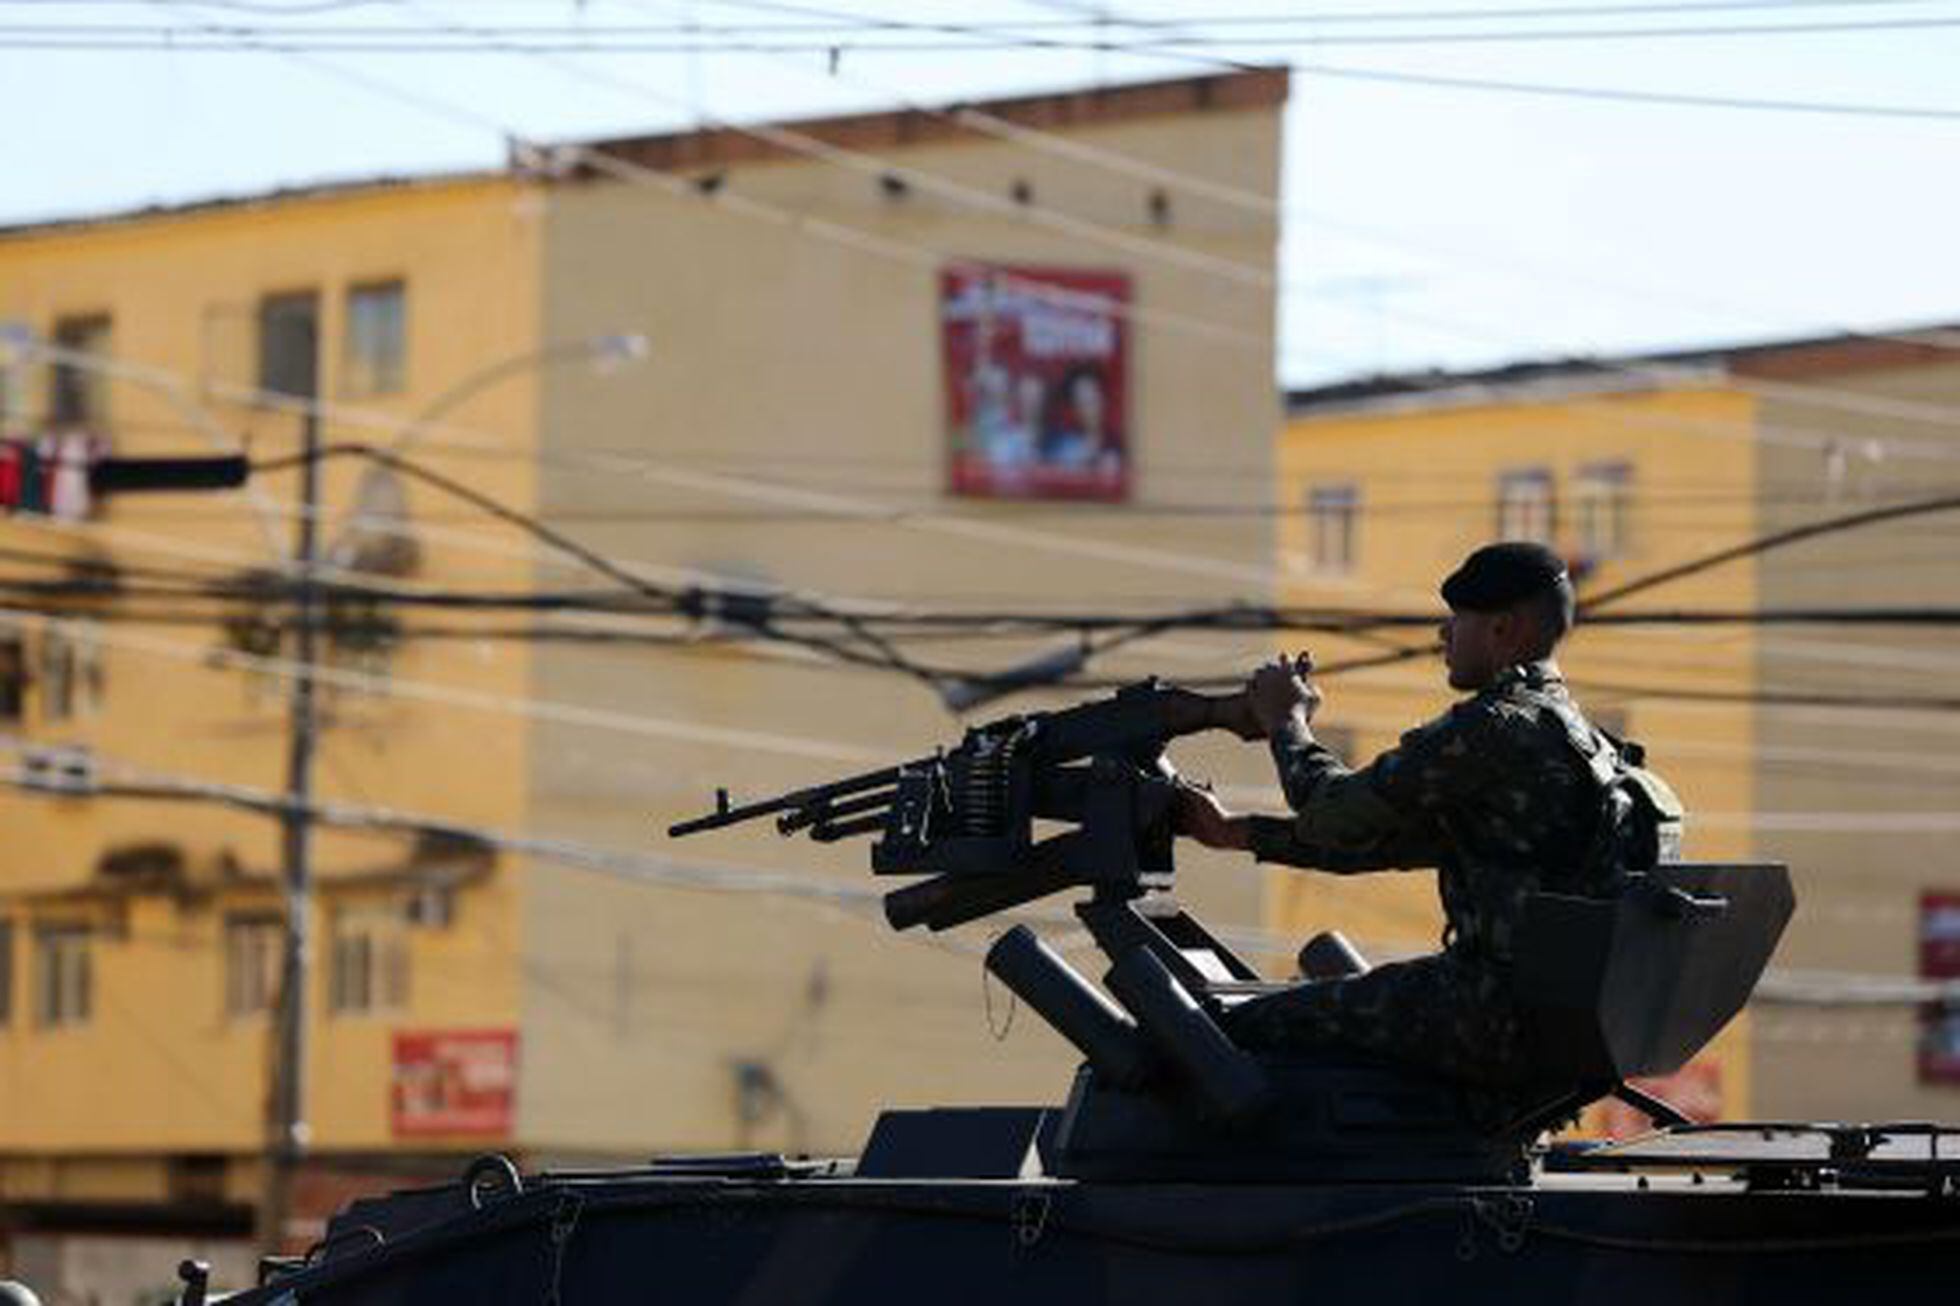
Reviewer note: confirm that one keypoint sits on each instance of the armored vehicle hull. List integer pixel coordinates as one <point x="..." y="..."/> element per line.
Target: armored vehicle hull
<point x="1739" y="1214"/>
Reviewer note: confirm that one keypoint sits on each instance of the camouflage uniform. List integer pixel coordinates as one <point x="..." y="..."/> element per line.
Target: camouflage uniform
<point x="1502" y="794"/>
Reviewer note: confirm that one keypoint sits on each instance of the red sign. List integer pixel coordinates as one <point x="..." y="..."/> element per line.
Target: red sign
<point x="1037" y="372"/>
<point x="1939" y="959"/>
<point x="455" y="1082"/>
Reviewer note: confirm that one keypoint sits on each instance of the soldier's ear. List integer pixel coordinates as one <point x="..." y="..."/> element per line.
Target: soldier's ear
<point x="1515" y="629"/>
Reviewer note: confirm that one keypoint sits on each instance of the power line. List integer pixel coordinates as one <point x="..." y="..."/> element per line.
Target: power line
<point x="1773" y="541"/>
<point x="636" y="867"/>
<point x="372" y="84"/>
<point x="1808" y="531"/>
<point x="1667" y="575"/>
<point x="875" y="36"/>
<point x="1822" y="988"/>
<point x="661" y="870"/>
<point x="1097" y="18"/>
<point x="1629" y="95"/>
<point x="977" y="119"/>
<point x="865" y="240"/>
<point x="450" y="695"/>
<point x="575" y="714"/>
<point x="1406" y="653"/>
<point x="816" y="148"/>
<point x="962" y="525"/>
<point x="248" y="40"/>
<point x="260" y="593"/>
<point x="1076" y="151"/>
<point x="1646" y="373"/>
<point x="1087" y="15"/>
<point x="882" y="654"/>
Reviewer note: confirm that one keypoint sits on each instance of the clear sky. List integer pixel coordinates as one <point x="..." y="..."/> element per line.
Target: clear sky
<point x="1425" y="225"/>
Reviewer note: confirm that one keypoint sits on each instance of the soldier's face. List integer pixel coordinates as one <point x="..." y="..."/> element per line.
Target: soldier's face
<point x="1469" y="648"/>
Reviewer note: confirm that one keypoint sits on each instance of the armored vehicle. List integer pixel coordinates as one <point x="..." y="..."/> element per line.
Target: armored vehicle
<point x="1179" y="1167"/>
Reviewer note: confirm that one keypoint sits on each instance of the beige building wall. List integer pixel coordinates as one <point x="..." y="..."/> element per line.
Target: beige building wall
<point x="1862" y="803"/>
<point x="788" y="430"/>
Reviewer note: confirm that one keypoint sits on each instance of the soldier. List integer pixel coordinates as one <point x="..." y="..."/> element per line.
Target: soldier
<point x="1508" y="792"/>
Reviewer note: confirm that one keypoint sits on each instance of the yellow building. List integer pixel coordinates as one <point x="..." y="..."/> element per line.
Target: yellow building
<point x="143" y="936"/>
<point x="1630" y="470"/>
<point x="828" y="403"/>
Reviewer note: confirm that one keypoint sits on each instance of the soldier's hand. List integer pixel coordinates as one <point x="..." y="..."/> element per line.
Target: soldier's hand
<point x="1281" y="691"/>
<point x="1200" y="815"/>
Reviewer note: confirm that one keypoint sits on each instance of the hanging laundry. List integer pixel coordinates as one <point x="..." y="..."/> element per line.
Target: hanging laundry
<point x="68" y="487"/>
<point x="10" y="456"/>
<point x="33" y="478"/>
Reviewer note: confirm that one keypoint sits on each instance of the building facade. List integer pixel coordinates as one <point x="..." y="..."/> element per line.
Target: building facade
<point x="977" y="373"/>
<point x="1631" y="470"/>
<point x="142" y="936"/>
<point x="829" y="425"/>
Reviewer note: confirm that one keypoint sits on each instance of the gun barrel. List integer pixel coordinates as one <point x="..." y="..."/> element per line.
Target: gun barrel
<point x="823" y="812"/>
<point x="792" y="801"/>
<point x="829" y="830"/>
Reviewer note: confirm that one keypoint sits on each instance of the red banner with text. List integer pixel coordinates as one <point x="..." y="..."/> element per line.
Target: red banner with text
<point x="1037" y="382"/>
<point x="1939" y="959"/>
<point x="455" y="1082"/>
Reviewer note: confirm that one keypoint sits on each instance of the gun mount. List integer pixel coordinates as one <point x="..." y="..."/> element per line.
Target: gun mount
<point x="1614" y="989"/>
<point x="963" y="821"/>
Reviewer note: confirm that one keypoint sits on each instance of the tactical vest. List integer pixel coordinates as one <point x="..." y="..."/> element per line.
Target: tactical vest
<point x="1640" y="816"/>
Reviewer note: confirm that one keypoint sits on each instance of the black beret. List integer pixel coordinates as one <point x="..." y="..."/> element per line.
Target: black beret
<point x="1499" y="575"/>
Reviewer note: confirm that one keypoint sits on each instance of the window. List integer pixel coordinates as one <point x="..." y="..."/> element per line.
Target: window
<point x="377" y="339"/>
<point x="79" y="395"/>
<point x="6" y="971"/>
<point x="254" y="949"/>
<point x="431" y="907"/>
<point x="64" y="978"/>
<point x="1332" y="511"/>
<point x="368" y="967"/>
<point x="1602" y="504"/>
<point x="289" y="344"/>
<point x="1525" y="510"/>
<point x="70" y="670"/>
<point x="13" y="676"/>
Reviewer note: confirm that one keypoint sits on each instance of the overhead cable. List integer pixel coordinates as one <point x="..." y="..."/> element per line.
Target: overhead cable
<point x="1781" y="986"/>
<point x="885" y="36"/>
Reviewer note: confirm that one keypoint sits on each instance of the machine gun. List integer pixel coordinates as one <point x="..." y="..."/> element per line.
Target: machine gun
<point x="1612" y="988"/>
<point x="965" y="818"/>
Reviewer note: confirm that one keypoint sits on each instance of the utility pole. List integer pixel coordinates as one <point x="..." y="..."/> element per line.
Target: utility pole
<point x="287" y="1134"/>
<point x="286" y="1124"/>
